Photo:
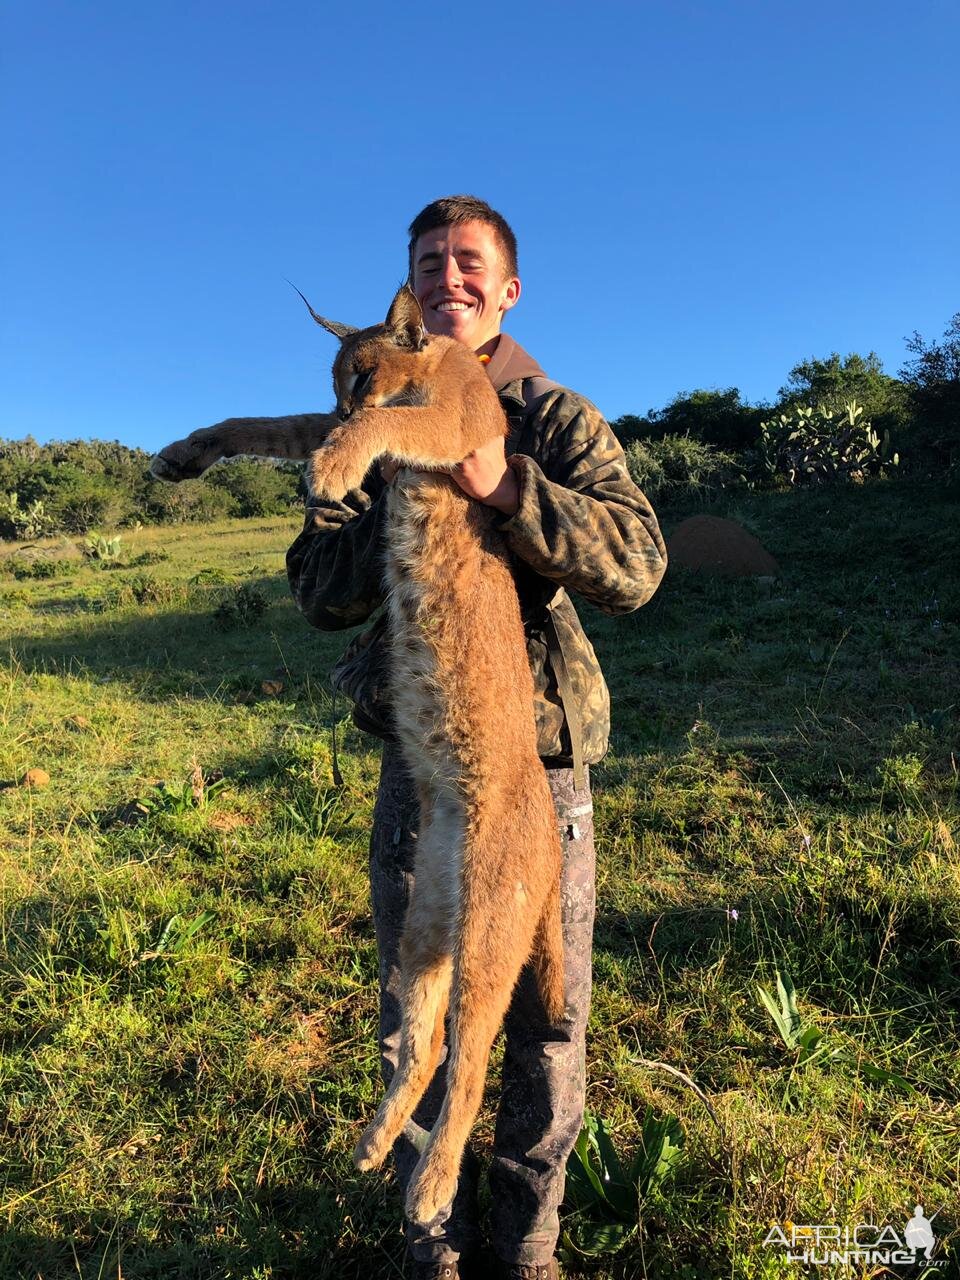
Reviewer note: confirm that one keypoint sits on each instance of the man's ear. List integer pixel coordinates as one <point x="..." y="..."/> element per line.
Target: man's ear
<point x="511" y="293"/>
<point x="404" y="321"/>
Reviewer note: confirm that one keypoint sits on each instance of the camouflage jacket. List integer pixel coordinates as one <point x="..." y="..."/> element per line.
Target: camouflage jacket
<point x="582" y="525"/>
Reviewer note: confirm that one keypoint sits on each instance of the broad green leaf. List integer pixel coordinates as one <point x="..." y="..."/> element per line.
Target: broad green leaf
<point x="882" y="1076"/>
<point x="597" y="1238"/>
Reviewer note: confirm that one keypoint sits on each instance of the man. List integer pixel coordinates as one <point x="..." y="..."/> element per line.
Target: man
<point x="571" y="517"/>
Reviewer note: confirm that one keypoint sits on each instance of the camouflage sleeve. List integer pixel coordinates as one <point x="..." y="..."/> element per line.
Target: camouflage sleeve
<point x="582" y="521"/>
<point x="335" y="567"/>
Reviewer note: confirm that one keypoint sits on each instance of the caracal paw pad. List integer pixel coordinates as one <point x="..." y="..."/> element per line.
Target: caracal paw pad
<point x="430" y="1191"/>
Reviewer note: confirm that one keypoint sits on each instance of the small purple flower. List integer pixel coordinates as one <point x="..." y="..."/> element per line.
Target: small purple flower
<point x="733" y="913"/>
<point x="806" y="840"/>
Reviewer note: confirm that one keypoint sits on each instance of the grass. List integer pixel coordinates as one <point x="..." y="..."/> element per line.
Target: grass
<point x="187" y="963"/>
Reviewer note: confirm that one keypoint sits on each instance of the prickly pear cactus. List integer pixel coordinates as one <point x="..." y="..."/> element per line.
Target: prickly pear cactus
<point x="810" y="446"/>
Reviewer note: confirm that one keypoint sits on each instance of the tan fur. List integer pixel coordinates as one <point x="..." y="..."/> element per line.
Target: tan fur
<point x="487" y="872"/>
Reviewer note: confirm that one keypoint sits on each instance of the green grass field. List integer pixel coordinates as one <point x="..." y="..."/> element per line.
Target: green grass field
<point x="187" y="1009"/>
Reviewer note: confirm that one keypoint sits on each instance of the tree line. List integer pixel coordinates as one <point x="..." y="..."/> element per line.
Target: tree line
<point x="76" y="486"/>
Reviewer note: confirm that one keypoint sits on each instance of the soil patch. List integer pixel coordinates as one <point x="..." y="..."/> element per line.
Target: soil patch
<point x="714" y="545"/>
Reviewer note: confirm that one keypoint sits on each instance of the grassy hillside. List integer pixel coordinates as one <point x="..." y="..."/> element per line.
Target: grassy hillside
<point x="187" y="971"/>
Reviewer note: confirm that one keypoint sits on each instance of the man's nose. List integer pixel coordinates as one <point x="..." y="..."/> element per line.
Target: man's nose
<point x="451" y="275"/>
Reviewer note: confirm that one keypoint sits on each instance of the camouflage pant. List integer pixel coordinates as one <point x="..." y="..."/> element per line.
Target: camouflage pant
<point x="541" y="1101"/>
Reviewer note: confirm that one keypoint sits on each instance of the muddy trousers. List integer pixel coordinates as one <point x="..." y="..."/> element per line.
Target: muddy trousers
<point x="542" y="1095"/>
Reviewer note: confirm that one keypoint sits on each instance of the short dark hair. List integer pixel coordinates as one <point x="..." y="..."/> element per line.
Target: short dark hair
<point x="451" y="211"/>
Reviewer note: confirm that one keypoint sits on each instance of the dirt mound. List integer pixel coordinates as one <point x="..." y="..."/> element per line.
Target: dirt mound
<point x="719" y="546"/>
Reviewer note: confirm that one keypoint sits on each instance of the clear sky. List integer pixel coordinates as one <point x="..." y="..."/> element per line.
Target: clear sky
<point x="704" y="193"/>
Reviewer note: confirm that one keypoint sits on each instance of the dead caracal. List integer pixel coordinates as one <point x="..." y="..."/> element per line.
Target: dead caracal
<point x="487" y="873"/>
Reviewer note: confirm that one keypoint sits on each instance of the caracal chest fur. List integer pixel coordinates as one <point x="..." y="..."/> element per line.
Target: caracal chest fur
<point x="487" y="873"/>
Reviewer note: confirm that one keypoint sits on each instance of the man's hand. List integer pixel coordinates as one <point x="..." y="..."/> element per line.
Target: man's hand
<point x="483" y="475"/>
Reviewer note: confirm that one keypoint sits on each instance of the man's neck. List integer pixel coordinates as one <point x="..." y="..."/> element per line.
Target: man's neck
<point x="488" y="347"/>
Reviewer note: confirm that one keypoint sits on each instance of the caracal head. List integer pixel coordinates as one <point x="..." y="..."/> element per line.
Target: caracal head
<point x="380" y="365"/>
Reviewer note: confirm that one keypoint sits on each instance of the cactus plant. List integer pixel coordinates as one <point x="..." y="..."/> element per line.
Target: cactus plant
<point x="97" y="547"/>
<point x="24" y="522"/>
<point x="809" y="446"/>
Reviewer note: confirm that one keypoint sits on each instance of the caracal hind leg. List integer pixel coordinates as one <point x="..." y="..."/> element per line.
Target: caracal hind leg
<point x="426" y="973"/>
<point x="483" y="985"/>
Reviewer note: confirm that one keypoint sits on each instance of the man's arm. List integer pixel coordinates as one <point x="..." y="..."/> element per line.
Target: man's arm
<point x="581" y="520"/>
<point x="335" y="566"/>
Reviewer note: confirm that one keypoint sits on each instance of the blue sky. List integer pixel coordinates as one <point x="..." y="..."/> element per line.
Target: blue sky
<point x="704" y="194"/>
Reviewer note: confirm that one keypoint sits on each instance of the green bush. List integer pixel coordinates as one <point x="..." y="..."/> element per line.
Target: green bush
<point x="144" y="589"/>
<point x="718" y="418"/>
<point x="43" y="569"/>
<point x="679" y="468"/>
<point x="258" y="488"/>
<point x="243" y="606"/>
<point x="932" y="379"/>
<point x="183" y="503"/>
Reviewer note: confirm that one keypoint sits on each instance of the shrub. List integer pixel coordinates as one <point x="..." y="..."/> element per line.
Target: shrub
<point x="241" y="607"/>
<point x="719" y="418"/>
<point x="142" y="589"/>
<point x="148" y="557"/>
<point x="677" y="468"/>
<point x="933" y="383"/>
<point x="260" y="488"/>
<point x="178" y="503"/>
<point x="41" y="569"/>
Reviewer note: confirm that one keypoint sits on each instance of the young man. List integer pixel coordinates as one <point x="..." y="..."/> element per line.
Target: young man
<point x="572" y="518"/>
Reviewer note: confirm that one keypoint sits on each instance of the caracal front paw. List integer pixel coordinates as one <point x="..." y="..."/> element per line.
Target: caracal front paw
<point x="373" y="1148"/>
<point x="334" y="470"/>
<point x="185" y="459"/>
<point x="431" y="1189"/>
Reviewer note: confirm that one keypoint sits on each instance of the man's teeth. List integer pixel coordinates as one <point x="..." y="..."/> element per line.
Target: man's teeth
<point x="454" y="306"/>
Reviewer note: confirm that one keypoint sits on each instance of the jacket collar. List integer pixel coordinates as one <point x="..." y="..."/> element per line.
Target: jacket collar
<point x="508" y="366"/>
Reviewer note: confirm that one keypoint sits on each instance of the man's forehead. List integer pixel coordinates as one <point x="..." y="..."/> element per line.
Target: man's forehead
<point x="477" y="237"/>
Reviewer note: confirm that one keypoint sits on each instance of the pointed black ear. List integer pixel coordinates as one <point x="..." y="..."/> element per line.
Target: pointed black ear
<point x="340" y="331"/>
<point x="404" y="321"/>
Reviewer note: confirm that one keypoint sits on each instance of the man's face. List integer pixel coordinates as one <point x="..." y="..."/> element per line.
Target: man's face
<point x="460" y="283"/>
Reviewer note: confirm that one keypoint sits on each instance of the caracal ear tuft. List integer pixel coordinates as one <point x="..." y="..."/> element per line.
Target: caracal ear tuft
<point x="339" y="330"/>
<point x="404" y="321"/>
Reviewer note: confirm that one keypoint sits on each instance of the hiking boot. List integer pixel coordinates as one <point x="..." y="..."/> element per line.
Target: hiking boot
<point x="471" y="1266"/>
<point x="435" y="1271"/>
<point x="531" y="1270"/>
